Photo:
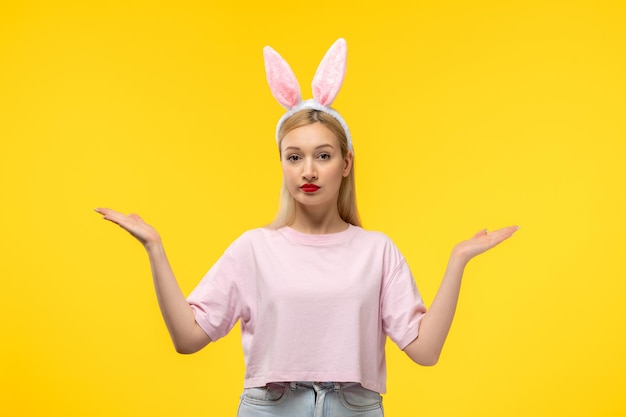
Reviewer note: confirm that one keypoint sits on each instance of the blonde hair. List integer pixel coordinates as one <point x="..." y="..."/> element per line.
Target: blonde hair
<point x="346" y="202"/>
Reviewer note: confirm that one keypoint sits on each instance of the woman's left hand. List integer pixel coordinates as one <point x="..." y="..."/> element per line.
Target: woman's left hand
<point x="482" y="242"/>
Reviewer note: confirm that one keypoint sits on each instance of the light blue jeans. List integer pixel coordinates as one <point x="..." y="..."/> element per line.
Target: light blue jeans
<point x="310" y="399"/>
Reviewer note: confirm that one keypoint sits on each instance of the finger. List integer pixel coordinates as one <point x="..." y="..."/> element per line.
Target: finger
<point x="507" y="231"/>
<point x="113" y="216"/>
<point x="480" y="233"/>
<point x="499" y="235"/>
<point x="106" y="211"/>
<point x="135" y="217"/>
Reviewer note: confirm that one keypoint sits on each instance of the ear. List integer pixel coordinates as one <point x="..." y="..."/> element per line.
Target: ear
<point x="347" y="164"/>
<point x="330" y="73"/>
<point x="283" y="83"/>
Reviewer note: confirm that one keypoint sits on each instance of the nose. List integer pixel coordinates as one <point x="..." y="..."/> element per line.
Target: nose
<point x="309" y="170"/>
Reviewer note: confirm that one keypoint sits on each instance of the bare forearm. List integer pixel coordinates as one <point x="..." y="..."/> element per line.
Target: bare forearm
<point x="436" y="323"/>
<point x="186" y="335"/>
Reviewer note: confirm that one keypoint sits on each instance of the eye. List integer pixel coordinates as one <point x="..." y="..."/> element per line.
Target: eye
<point x="293" y="158"/>
<point x="324" y="156"/>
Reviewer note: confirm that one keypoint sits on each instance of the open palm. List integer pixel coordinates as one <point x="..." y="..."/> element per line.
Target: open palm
<point x="133" y="224"/>
<point x="482" y="242"/>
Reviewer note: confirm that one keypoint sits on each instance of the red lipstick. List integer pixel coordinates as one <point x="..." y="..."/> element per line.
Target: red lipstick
<point x="309" y="188"/>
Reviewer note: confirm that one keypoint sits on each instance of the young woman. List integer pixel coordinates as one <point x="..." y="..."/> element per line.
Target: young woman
<point x="316" y="295"/>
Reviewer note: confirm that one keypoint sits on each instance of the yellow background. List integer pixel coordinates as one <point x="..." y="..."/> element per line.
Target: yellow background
<point x="465" y="115"/>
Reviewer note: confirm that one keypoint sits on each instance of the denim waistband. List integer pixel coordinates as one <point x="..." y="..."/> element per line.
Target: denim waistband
<point x="318" y="386"/>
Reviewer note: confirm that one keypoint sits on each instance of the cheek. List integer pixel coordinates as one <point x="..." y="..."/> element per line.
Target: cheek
<point x="288" y="174"/>
<point x="341" y="171"/>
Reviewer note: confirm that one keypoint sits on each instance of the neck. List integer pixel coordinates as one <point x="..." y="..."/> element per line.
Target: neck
<point x="316" y="222"/>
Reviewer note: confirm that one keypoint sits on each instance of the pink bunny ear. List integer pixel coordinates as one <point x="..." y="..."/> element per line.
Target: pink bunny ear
<point x="329" y="75"/>
<point x="283" y="83"/>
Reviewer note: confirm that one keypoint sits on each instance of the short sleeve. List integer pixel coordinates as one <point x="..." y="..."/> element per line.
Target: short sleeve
<point x="216" y="300"/>
<point x="402" y="307"/>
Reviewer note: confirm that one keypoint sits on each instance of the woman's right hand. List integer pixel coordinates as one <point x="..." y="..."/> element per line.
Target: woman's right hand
<point x="133" y="224"/>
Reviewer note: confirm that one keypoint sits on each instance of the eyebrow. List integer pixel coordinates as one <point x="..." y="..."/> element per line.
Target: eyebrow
<point x="296" y="148"/>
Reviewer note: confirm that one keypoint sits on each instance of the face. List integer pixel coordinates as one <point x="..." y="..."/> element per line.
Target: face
<point x="313" y="166"/>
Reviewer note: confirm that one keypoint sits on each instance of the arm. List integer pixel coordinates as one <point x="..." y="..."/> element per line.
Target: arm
<point x="186" y="335"/>
<point x="435" y="325"/>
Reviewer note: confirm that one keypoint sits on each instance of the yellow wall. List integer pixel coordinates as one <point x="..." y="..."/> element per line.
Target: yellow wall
<point x="465" y="115"/>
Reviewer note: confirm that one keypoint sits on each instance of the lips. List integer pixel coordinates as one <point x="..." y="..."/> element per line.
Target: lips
<point x="309" y="188"/>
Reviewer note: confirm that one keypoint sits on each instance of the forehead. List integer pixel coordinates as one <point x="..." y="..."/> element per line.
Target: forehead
<point x="313" y="135"/>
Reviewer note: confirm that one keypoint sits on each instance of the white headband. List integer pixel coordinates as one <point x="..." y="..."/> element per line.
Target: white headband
<point x="326" y="84"/>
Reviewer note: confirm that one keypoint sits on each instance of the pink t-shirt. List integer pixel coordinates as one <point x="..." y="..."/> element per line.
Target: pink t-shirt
<point x="312" y="307"/>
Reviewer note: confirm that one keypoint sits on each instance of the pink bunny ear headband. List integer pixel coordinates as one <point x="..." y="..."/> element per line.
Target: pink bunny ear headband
<point x="326" y="84"/>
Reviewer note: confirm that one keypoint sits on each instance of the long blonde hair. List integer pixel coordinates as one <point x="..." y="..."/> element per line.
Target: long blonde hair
<point x="346" y="202"/>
